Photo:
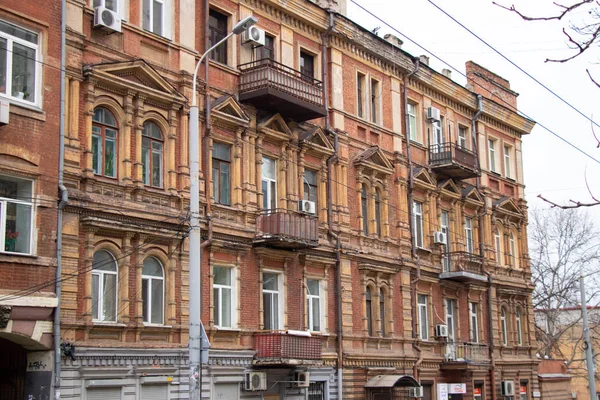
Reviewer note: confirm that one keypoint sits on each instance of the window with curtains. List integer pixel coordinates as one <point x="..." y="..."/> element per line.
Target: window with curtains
<point x="411" y="109"/>
<point x="16" y="215"/>
<point x="153" y="291"/>
<point x="153" y="15"/>
<point x="378" y="212"/>
<point x="364" y="208"/>
<point x="369" y="310"/>
<point x="217" y="30"/>
<point x="19" y="63"/>
<point x="382" y="311"/>
<point x="104" y="287"/>
<point x="272" y="305"/>
<point x="315" y="305"/>
<point x="269" y="183"/>
<point x="152" y="155"/>
<point x="104" y="143"/>
<point x="221" y="173"/>
<point x="504" y="326"/>
<point x="417" y="219"/>
<point x="423" y="317"/>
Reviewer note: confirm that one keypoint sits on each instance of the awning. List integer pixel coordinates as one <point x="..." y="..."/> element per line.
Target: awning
<point x="388" y="381"/>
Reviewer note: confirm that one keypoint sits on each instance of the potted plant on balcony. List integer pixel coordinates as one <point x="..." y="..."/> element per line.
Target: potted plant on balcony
<point x="10" y="240"/>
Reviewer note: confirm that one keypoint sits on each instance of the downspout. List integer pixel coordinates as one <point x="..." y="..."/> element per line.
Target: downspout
<point x="330" y="231"/>
<point x="64" y="197"/>
<point x="207" y="131"/>
<point x="482" y="249"/>
<point x="413" y="248"/>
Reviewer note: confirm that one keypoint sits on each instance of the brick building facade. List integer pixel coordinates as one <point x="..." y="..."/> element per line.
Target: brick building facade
<point x="406" y="263"/>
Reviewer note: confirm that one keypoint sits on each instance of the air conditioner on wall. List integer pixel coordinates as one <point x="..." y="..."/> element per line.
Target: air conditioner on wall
<point x="254" y="35"/>
<point x="255" y="381"/>
<point x="433" y="114"/>
<point x="508" y="388"/>
<point x="441" y="331"/>
<point x="4" y="112"/>
<point x="107" y="19"/>
<point x="308" y="207"/>
<point x="439" y="238"/>
<point x="302" y="379"/>
<point x="415" y="392"/>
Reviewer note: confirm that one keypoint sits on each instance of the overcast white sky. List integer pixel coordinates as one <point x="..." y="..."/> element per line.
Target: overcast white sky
<point x="551" y="167"/>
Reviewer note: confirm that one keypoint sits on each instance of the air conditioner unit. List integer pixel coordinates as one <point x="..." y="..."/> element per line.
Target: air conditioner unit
<point x="415" y="392"/>
<point x="254" y="35"/>
<point x="4" y="112"/>
<point x="439" y="238"/>
<point x="308" y="207"/>
<point x="508" y="388"/>
<point x="302" y="379"/>
<point x="441" y="331"/>
<point x="107" y="19"/>
<point x="255" y="381"/>
<point x="433" y="114"/>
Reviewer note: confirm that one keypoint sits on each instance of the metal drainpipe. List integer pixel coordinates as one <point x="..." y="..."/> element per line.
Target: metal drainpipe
<point x="207" y="130"/>
<point x="330" y="231"/>
<point x="415" y="344"/>
<point x="64" y="197"/>
<point x="482" y="249"/>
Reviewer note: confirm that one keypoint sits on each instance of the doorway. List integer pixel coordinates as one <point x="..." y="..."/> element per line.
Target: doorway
<point x="13" y="364"/>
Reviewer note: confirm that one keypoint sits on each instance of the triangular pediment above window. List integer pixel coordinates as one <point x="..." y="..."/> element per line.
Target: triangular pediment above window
<point x="507" y="206"/>
<point x="422" y="177"/>
<point x="227" y="111"/>
<point x="314" y="138"/>
<point x="136" y="76"/>
<point x="448" y="187"/>
<point x="275" y="127"/>
<point x="472" y="195"/>
<point x="373" y="158"/>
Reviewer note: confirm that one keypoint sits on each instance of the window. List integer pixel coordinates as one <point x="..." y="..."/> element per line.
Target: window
<point x="377" y="212"/>
<point x="369" y="310"/>
<point x="310" y="185"/>
<point x="266" y="52"/>
<point x="411" y="110"/>
<point x="450" y="319"/>
<point x="152" y="155"/>
<point x="474" y="324"/>
<point x="445" y="227"/>
<point x="223" y="297"/>
<point x="153" y="14"/>
<point x="364" y="206"/>
<point x="469" y="234"/>
<point x="19" y="68"/>
<point x="418" y="223"/>
<point x="423" y="318"/>
<point x="221" y="167"/>
<point x="375" y="96"/>
<point x="503" y="326"/>
<point x="269" y="183"/>
<point x="382" y="310"/>
<point x="104" y="287"/>
<point x="438" y="135"/>
<point x="153" y="290"/>
<point x="217" y="30"/>
<point x="272" y="301"/>
<point x="16" y="215"/>
<point x="462" y="137"/>
<point x="507" y="172"/>
<point x="492" y="154"/>
<point x="513" y="250"/>
<point x="519" y="327"/>
<point x="315" y="305"/>
<point x="112" y="5"/>
<point x="307" y="65"/>
<point x="498" y="244"/>
<point x="104" y="143"/>
<point x="360" y="94"/>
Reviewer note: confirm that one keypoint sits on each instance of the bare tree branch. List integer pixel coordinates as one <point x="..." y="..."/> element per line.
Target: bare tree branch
<point x="576" y="204"/>
<point x="566" y="10"/>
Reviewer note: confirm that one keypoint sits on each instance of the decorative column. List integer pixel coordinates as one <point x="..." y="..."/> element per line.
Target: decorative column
<point x="138" y="126"/>
<point x="90" y="98"/>
<point x="124" y="269"/>
<point x="171" y="143"/>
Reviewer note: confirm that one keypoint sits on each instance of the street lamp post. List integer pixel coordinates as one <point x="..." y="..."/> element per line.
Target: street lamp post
<point x="195" y="255"/>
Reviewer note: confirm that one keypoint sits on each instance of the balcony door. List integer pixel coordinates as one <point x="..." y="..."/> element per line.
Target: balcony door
<point x="437" y="136"/>
<point x="445" y="228"/>
<point x="269" y="184"/>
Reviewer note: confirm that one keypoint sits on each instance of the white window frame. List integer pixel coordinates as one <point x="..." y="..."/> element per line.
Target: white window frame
<point x="519" y="326"/>
<point x="513" y="249"/>
<point x="437" y="132"/>
<point x="498" y="245"/>
<point x="423" y="316"/>
<point x="3" y="209"/>
<point x="309" y="305"/>
<point x="503" y="325"/>
<point x="418" y="223"/>
<point x="377" y="120"/>
<point x="279" y="294"/>
<point x="119" y="5"/>
<point x="507" y="163"/>
<point x="147" y="280"/>
<point x="445" y="228"/>
<point x="234" y="297"/>
<point x="473" y="323"/>
<point x="461" y="136"/>
<point x="150" y="27"/>
<point x="470" y="245"/>
<point x="451" y="319"/>
<point x="100" y="274"/>
<point x="10" y="41"/>
<point x="362" y="94"/>
<point x="492" y="155"/>
<point x="413" y="133"/>
<point x="270" y="196"/>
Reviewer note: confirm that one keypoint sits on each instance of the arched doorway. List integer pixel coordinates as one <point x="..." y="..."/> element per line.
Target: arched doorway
<point x="13" y="362"/>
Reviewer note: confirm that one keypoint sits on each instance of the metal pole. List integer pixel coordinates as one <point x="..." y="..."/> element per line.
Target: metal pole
<point x="589" y="356"/>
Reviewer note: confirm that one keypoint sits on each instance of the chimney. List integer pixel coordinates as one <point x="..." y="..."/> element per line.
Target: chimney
<point x="490" y="85"/>
<point x="447" y="73"/>
<point x="424" y="59"/>
<point x="393" y="40"/>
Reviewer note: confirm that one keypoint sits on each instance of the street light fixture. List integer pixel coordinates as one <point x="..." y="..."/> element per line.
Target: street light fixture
<point x="195" y="347"/>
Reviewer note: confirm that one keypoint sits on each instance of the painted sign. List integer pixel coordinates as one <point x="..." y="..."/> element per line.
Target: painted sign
<point x="457" y="388"/>
<point x="442" y="391"/>
<point x="477" y="391"/>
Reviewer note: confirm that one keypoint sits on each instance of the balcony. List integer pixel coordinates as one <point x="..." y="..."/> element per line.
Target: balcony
<point x="286" y="229"/>
<point x="453" y="161"/>
<point x="281" y="348"/>
<point x="462" y="266"/>
<point x="463" y="355"/>
<point x="272" y="86"/>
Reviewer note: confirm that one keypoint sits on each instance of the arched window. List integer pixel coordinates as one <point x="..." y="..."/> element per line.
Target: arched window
<point x="369" y="310"/>
<point x="504" y="326"/>
<point x="377" y="212"/>
<point x="512" y="249"/>
<point x="364" y="207"/>
<point x="382" y="310"/>
<point x="519" y="327"/>
<point x="104" y="287"/>
<point x="498" y="245"/>
<point x="104" y="143"/>
<point x="153" y="290"/>
<point x="152" y="155"/>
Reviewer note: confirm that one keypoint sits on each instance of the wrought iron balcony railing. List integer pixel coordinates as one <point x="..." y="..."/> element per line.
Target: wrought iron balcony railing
<point x="476" y="353"/>
<point x="462" y="266"/>
<point x="453" y="160"/>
